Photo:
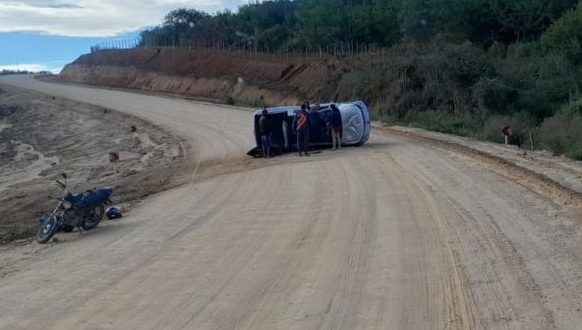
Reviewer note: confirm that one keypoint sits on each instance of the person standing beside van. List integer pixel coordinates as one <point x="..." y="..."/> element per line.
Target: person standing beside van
<point x="314" y="108"/>
<point x="301" y="125"/>
<point x="265" y="132"/>
<point x="336" y="127"/>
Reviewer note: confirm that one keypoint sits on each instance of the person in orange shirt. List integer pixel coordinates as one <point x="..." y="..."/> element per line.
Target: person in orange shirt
<point x="302" y="125"/>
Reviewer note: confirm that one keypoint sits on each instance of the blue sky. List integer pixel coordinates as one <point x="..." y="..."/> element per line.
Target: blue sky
<point x="34" y="51"/>
<point x="48" y="34"/>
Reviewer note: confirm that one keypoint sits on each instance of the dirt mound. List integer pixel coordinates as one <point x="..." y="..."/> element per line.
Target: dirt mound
<point x="240" y="77"/>
<point x="42" y="136"/>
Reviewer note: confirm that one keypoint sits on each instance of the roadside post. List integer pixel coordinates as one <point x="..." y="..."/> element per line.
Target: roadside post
<point x="134" y="136"/>
<point x="113" y="158"/>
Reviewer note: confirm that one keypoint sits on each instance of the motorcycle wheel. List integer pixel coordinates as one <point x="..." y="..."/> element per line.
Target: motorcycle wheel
<point x="47" y="231"/>
<point x="93" y="221"/>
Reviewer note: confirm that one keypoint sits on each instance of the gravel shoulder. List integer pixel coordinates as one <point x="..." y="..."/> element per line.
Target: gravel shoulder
<point x="563" y="170"/>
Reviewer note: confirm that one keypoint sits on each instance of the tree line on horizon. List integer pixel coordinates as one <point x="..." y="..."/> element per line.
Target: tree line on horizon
<point x="464" y="66"/>
<point x="282" y="25"/>
<point x="5" y="72"/>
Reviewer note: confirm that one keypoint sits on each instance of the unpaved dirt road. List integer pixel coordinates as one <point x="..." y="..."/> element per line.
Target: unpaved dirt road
<point x="396" y="234"/>
<point x="43" y="136"/>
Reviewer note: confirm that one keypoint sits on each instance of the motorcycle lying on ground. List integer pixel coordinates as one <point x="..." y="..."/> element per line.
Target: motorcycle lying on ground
<point x="83" y="211"/>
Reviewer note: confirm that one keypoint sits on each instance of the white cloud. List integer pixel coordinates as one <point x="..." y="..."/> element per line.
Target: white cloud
<point x="94" y="18"/>
<point x="28" y="67"/>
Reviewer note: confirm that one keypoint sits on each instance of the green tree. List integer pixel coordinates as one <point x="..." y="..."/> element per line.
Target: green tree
<point x="322" y="22"/>
<point x="565" y="35"/>
<point x="481" y="21"/>
<point x="376" y="22"/>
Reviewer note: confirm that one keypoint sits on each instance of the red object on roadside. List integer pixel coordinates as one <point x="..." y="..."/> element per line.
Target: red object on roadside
<point x="506" y="130"/>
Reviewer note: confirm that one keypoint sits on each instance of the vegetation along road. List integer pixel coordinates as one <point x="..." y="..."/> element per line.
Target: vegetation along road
<point x="397" y="234"/>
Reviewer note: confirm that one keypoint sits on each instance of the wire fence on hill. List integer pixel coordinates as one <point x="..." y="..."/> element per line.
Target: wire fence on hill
<point x="362" y="52"/>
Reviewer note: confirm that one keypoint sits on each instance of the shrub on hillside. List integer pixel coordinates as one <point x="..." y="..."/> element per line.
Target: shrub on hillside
<point x="542" y="82"/>
<point x="492" y="95"/>
<point x="379" y="84"/>
<point x="465" y="64"/>
<point x="230" y="100"/>
<point x="565" y="35"/>
<point x="562" y="133"/>
<point x="460" y="123"/>
<point x="524" y="129"/>
<point x="572" y="109"/>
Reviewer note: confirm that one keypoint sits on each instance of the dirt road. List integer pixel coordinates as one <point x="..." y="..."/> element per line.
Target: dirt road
<point x="396" y="234"/>
<point x="43" y="136"/>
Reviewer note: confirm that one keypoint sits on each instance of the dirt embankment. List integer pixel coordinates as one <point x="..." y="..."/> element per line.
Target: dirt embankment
<point x="42" y="136"/>
<point x="232" y="76"/>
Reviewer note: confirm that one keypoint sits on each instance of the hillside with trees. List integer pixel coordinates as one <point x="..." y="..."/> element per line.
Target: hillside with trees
<point x="458" y="66"/>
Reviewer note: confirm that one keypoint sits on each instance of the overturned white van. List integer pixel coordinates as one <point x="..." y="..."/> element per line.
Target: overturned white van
<point x="355" y="127"/>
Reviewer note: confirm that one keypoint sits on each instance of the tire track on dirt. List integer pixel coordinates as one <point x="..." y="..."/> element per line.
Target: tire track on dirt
<point x="293" y="259"/>
<point x="494" y="243"/>
<point x="350" y="284"/>
<point x="273" y="198"/>
<point x="461" y="305"/>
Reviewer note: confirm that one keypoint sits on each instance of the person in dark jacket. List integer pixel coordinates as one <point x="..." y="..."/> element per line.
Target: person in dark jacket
<point x="265" y="132"/>
<point x="336" y="127"/>
<point x="302" y="125"/>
